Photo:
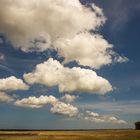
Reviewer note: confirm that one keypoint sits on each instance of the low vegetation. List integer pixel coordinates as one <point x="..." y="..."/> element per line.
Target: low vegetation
<point x="72" y="135"/>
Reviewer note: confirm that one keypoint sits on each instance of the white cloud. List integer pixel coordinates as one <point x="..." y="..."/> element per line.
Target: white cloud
<point x="95" y="117"/>
<point x="68" y="98"/>
<point x="5" y="98"/>
<point x="27" y="20"/>
<point x="36" y="102"/>
<point x="52" y="73"/>
<point x="86" y="49"/>
<point x="34" y="26"/>
<point x="12" y="83"/>
<point x="64" y="109"/>
<point x="58" y="107"/>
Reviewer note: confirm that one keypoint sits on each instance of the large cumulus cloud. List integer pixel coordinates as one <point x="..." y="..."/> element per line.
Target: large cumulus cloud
<point x="52" y="73"/>
<point x="23" y="21"/>
<point x="37" y="25"/>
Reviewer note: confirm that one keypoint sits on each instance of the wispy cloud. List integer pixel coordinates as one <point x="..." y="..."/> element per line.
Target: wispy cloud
<point x="120" y="107"/>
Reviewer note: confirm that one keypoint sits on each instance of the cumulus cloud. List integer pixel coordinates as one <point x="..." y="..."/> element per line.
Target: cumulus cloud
<point x="64" y="109"/>
<point x="38" y="25"/>
<point x="61" y="108"/>
<point x="58" y="107"/>
<point x="12" y="83"/>
<point x="68" y="98"/>
<point x="95" y="117"/>
<point x="5" y="98"/>
<point x="86" y="49"/>
<point x="34" y="26"/>
<point x="52" y="73"/>
<point x="27" y="21"/>
<point x="36" y="102"/>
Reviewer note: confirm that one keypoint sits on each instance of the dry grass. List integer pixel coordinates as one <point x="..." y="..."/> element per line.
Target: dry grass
<point x="72" y="135"/>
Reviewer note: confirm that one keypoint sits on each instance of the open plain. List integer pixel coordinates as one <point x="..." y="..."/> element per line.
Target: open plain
<point x="71" y="135"/>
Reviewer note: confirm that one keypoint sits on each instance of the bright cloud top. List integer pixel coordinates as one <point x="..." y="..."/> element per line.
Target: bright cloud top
<point x="52" y="73"/>
<point x="34" y="26"/>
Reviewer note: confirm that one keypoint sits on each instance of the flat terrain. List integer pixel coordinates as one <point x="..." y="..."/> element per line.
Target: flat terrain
<point x="71" y="135"/>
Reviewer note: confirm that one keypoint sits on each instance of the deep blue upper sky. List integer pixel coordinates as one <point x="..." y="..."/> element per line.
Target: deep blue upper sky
<point x="122" y="29"/>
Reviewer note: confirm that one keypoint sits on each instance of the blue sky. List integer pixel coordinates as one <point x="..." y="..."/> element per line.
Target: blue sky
<point x="120" y="29"/>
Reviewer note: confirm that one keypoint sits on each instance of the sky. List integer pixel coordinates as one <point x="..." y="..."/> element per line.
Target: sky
<point x="69" y="64"/>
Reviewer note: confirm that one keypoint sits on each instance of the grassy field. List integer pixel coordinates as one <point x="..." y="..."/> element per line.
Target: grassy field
<point x="71" y="135"/>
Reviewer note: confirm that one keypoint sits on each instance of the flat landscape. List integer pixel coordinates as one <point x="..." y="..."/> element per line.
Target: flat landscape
<point x="71" y="135"/>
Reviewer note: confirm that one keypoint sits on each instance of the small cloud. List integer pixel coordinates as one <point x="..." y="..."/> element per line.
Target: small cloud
<point x="36" y="102"/>
<point x="95" y="117"/>
<point x="64" y="109"/>
<point x="68" y="98"/>
<point x="12" y="83"/>
<point x="5" y="98"/>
